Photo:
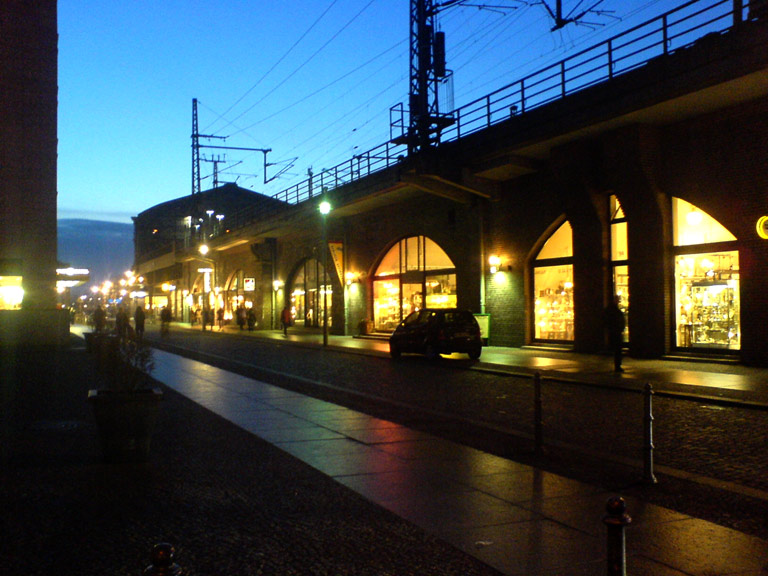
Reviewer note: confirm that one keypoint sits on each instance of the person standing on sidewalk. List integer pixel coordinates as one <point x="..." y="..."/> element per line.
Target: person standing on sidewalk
<point x="165" y="321"/>
<point x="285" y="320"/>
<point x="138" y="319"/>
<point x="615" y="324"/>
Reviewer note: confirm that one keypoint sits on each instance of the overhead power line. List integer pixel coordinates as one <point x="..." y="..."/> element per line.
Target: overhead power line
<point x="276" y="64"/>
<point x="307" y="61"/>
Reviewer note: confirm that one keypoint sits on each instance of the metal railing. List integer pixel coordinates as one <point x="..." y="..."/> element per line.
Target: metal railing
<point x="672" y="31"/>
<point x="632" y="49"/>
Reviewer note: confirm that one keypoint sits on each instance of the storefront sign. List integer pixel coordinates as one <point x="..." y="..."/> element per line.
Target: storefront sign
<point x="249" y="284"/>
<point x="337" y="253"/>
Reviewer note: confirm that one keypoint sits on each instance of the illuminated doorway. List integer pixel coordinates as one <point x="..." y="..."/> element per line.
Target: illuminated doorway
<point x="620" y="260"/>
<point x="306" y="298"/>
<point x="553" y="287"/>
<point x="415" y="273"/>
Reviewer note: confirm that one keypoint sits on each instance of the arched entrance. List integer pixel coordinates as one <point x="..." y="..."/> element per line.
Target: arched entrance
<point x="311" y="288"/>
<point x="415" y="273"/>
<point x="553" y="287"/>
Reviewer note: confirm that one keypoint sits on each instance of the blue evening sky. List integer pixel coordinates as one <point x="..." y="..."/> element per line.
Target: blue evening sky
<point x="311" y="79"/>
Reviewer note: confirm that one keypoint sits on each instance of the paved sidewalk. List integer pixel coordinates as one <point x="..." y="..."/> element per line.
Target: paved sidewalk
<point x="514" y="517"/>
<point x="230" y="502"/>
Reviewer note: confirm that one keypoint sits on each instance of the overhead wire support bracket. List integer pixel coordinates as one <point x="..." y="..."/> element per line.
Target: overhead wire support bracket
<point x="265" y="151"/>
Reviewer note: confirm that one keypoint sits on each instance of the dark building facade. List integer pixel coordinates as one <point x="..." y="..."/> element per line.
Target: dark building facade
<point x="28" y="156"/>
<point x="649" y="184"/>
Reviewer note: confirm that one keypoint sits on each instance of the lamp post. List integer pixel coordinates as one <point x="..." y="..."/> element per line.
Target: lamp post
<point x="207" y="280"/>
<point x="325" y="209"/>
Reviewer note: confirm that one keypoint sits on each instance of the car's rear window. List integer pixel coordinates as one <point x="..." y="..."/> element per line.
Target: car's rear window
<point x="460" y="318"/>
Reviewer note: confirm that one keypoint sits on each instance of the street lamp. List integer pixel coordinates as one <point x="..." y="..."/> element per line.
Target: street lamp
<point x="207" y="280"/>
<point x="325" y="208"/>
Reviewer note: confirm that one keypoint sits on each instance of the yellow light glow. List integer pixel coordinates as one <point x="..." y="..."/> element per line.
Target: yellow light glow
<point x="762" y="227"/>
<point x="694" y="218"/>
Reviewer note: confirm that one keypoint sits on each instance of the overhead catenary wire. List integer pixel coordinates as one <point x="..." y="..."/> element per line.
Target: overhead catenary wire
<point x="470" y="54"/>
<point x="307" y="61"/>
<point x="277" y="63"/>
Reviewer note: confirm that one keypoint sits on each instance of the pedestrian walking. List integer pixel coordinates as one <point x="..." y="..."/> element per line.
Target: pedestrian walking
<point x="251" y="319"/>
<point x="285" y="319"/>
<point x="138" y="320"/>
<point x="241" y="316"/>
<point x="220" y="318"/>
<point x="615" y="324"/>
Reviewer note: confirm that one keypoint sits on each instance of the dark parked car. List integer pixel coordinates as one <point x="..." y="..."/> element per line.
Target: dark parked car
<point x="435" y="331"/>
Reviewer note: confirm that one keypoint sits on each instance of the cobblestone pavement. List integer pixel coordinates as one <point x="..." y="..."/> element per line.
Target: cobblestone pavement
<point x="229" y="502"/>
<point x="591" y="433"/>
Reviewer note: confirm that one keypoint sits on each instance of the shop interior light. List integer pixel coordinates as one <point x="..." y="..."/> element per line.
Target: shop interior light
<point x="694" y="218"/>
<point x="277" y="284"/>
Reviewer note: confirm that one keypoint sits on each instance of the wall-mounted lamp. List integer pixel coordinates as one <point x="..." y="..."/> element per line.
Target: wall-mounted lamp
<point x="351" y="277"/>
<point x="495" y="262"/>
<point x="277" y="284"/>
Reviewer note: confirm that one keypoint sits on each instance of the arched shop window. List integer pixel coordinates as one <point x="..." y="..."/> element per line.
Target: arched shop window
<point x="415" y="273"/>
<point x="706" y="280"/>
<point x="553" y="287"/>
<point x="620" y="258"/>
<point x="307" y="296"/>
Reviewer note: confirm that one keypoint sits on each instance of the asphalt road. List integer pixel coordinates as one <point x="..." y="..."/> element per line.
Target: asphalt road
<point x="590" y="433"/>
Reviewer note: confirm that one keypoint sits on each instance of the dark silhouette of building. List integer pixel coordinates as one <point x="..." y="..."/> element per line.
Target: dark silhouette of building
<point x="28" y="156"/>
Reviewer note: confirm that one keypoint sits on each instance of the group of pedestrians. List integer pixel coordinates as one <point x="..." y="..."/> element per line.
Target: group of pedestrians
<point x="123" y="326"/>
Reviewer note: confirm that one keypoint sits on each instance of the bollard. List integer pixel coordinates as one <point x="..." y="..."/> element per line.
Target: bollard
<point x="648" y="475"/>
<point x="538" y="421"/>
<point x="163" y="556"/>
<point x="616" y="520"/>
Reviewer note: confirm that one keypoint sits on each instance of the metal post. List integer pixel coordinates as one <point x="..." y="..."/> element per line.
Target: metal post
<point x="325" y="281"/>
<point x="538" y="421"/>
<point x="648" y="475"/>
<point x="163" y="556"/>
<point x="615" y="521"/>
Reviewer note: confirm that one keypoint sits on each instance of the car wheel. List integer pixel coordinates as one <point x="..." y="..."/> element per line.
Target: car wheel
<point x="394" y="351"/>
<point x="474" y="354"/>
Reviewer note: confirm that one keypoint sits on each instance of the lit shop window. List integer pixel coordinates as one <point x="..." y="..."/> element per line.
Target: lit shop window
<point x="11" y="293"/>
<point x="414" y="273"/>
<point x="553" y="287"/>
<point x="707" y="310"/>
<point x="620" y="259"/>
<point x="308" y="296"/>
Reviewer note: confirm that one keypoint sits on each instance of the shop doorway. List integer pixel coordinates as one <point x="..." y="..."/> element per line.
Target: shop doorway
<point x="414" y="273"/>
<point x="308" y="294"/>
